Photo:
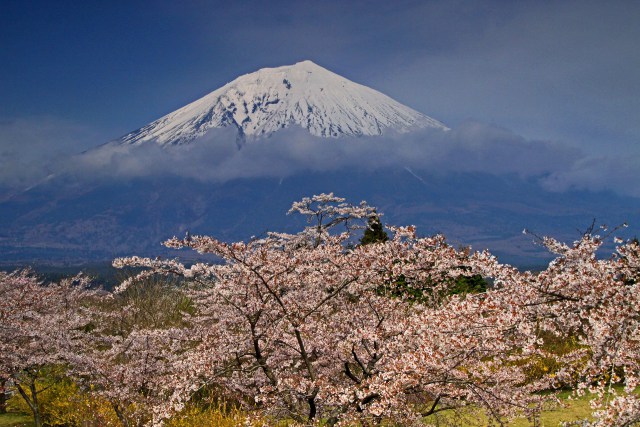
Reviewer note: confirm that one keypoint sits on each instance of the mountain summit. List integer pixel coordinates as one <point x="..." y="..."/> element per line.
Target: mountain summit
<point x="304" y="94"/>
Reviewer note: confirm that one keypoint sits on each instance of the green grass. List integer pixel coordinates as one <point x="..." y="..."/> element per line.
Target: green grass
<point x="571" y="410"/>
<point x="553" y="414"/>
<point x="15" y="420"/>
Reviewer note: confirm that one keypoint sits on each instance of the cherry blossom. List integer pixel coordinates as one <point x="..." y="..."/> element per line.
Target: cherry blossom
<point x="40" y="325"/>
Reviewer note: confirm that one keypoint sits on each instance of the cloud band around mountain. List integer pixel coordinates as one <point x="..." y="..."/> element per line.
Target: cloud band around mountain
<point x="471" y="148"/>
<point x="34" y="150"/>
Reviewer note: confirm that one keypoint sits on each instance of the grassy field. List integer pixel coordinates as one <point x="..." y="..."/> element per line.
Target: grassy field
<point x="570" y="410"/>
<point x="553" y="415"/>
<point x="15" y="420"/>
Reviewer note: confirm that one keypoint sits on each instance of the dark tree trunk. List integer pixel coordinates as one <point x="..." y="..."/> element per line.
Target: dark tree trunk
<point x="120" y="415"/>
<point x="3" y="396"/>
<point x="32" y="401"/>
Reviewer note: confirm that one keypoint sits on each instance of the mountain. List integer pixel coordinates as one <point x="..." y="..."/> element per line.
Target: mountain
<point x="304" y="94"/>
<point x="304" y="131"/>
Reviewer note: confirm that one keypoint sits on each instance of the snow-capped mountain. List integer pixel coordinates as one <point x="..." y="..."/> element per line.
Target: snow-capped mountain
<point x="125" y="197"/>
<point x="304" y="94"/>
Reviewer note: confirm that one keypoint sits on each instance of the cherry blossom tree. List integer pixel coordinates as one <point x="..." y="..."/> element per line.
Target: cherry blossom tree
<point x="40" y="326"/>
<point x="131" y="372"/>
<point x="314" y="328"/>
<point x="310" y="327"/>
<point x="592" y="302"/>
<point x="595" y="301"/>
<point x="127" y="357"/>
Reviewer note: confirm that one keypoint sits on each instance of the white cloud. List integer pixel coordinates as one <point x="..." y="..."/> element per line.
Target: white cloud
<point x="621" y="174"/>
<point x="32" y="150"/>
<point x="472" y="147"/>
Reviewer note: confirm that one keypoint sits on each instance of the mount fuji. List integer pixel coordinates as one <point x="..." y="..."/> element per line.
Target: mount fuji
<point x="231" y="163"/>
<point x="304" y="94"/>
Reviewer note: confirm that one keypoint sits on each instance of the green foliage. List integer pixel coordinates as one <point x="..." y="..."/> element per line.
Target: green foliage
<point x="63" y="403"/>
<point x="469" y="285"/>
<point x="420" y="292"/>
<point x="155" y="302"/>
<point x="374" y="233"/>
<point x="402" y="288"/>
<point x="220" y="415"/>
<point x="548" y="360"/>
<point x="635" y="249"/>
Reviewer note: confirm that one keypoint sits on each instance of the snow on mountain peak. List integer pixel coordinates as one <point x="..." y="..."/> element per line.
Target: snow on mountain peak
<point x="304" y="94"/>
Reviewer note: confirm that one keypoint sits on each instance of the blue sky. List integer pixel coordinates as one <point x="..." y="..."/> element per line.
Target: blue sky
<point x="76" y="74"/>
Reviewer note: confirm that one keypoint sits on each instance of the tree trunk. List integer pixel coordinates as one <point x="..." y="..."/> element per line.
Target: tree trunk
<point x="3" y="396"/>
<point x="36" y="408"/>
<point x="32" y="401"/>
<point x="120" y="414"/>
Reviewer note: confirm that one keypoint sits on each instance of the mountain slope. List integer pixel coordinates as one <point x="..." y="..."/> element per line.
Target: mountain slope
<point x="111" y="219"/>
<point x="303" y="94"/>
